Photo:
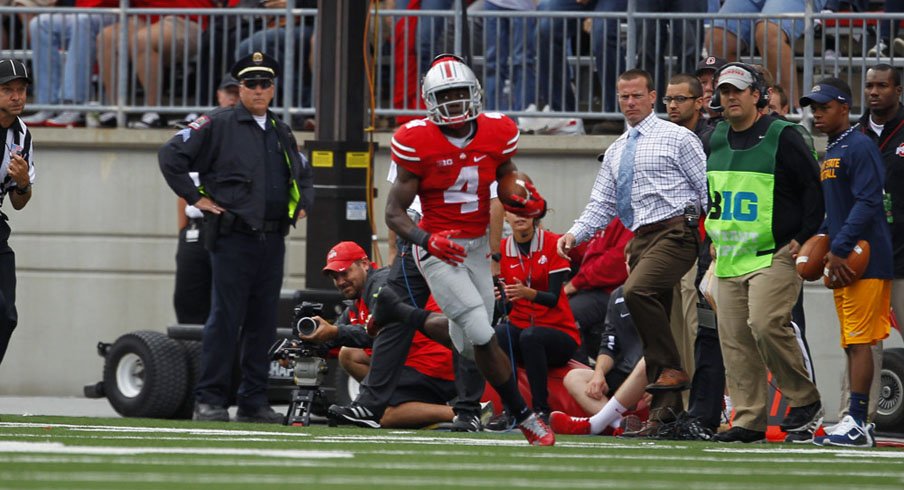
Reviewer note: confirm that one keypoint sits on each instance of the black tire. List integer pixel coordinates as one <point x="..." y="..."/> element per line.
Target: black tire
<point x="185" y="331"/>
<point x="193" y="363"/>
<point x="890" y="416"/>
<point x="145" y="375"/>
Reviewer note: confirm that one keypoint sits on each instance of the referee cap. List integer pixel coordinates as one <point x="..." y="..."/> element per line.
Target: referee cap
<point x="11" y="69"/>
<point x="255" y="66"/>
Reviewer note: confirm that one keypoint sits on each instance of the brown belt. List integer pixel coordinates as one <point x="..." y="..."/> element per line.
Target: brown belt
<point x="659" y="225"/>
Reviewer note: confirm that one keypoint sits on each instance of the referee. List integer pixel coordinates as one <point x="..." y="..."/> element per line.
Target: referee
<point x="254" y="185"/>
<point x="17" y="173"/>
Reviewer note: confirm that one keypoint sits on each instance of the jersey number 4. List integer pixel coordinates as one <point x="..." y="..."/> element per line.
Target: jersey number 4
<point x="464" y="190"/>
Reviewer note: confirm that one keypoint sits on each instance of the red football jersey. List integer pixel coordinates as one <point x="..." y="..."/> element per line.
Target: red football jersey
<point x="455" y="182"/>
<point x="533" y="271"/>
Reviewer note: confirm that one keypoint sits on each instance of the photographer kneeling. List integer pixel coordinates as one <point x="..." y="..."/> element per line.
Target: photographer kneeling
<point x="426" y="382"/>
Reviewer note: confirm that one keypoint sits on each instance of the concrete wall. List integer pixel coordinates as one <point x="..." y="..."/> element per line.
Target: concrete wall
<point x="95" y="250"/>
<point x="95" y="247"/>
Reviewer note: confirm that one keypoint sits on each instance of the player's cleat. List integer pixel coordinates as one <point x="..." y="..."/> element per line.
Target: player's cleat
<point x="499" y="423"/>
<point x="537" y="432"/>
<point x="466" y="422"/>
<point x="562" y="423"/>
<point x="487" y="409"/>
<point x="805" y="418"/>
<point x="848" y="433"/>
<point x="354" y="414"/>
<point x="740" y="434"/>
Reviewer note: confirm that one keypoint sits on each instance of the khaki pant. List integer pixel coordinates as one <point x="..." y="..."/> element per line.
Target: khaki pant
<point x="684" y="318"/>
<point x="658" y="260"/>
<point x="755" y="334"/>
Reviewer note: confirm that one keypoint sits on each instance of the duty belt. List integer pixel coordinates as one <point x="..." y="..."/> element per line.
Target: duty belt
<point x="269" y="226"/>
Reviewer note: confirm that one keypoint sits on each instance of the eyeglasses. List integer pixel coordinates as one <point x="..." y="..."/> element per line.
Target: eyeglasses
<point x="253" y="84"/>
<point x="678" y="98"/>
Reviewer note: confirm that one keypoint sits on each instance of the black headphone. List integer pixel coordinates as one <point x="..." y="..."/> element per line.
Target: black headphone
<point x="758" y="84"/>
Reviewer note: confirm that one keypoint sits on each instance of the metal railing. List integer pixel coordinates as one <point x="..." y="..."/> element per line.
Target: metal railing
<point x="575" y="77"/>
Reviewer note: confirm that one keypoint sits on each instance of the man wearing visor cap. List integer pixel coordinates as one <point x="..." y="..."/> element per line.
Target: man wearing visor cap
<point x="764" y="204"/>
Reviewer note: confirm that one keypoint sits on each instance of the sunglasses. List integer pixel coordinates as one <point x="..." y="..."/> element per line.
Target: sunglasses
<point x="253" y="84"/>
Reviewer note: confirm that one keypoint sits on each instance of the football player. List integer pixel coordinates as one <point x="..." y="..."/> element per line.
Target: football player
<point x="449" y="159"/>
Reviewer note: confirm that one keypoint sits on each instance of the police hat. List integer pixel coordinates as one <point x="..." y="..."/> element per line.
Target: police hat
<point x="255" y="66"/>
<point x="11" y="69"/>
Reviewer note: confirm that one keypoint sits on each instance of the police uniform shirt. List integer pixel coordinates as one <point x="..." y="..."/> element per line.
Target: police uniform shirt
<point x="17" y="139"/>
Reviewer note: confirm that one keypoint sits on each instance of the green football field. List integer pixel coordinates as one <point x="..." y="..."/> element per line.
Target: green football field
<point x="64" y="452"/>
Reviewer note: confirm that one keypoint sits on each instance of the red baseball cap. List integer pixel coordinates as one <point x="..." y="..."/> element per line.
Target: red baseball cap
<point x="342" y="255"/>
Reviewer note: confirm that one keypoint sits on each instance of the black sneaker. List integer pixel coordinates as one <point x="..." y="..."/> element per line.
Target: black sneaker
<point x="807" y="418"/>
<point x="107" y="120"/>
<point x="802" y="437"/>
<point x="689" y="428"/>
<point x="354" y="414"/>
<point x="260" y="415"/>
<point x="149" y="120"/>
<point x="740" y="434"/>
<point x="466" y="422"/>
<point x="205" y="412"/>
<point x="500" y="423"/>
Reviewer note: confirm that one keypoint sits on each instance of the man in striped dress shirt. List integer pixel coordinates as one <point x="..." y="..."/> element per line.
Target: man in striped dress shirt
<point x="653" y="178"/>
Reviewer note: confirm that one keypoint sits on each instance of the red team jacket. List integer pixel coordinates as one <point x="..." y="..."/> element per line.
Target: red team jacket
<point x="534" y="272"/>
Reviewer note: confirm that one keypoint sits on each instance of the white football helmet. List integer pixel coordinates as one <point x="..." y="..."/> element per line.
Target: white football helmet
<point x="447" y="72"/>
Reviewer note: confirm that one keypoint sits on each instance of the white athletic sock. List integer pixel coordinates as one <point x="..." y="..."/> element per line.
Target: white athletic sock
<point x="613" y="410"/>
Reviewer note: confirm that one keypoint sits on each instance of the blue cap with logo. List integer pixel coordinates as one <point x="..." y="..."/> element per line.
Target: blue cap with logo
<point x="824" y="93"/>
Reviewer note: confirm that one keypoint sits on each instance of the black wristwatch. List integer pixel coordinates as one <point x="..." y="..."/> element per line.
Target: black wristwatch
<point x="496" y="256"/>
<point x="23" y="190"/>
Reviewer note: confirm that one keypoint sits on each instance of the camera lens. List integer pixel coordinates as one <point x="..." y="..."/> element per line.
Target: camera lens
<point x="306" y="326"/>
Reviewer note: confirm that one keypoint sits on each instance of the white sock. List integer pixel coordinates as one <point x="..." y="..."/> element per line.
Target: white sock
<point x="613" y="410"/>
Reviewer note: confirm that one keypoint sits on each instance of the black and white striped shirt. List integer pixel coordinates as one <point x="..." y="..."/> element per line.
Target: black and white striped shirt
<point x="17" y="139"/>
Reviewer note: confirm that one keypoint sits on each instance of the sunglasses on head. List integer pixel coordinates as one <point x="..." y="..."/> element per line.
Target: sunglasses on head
<point x="253" y="84"/>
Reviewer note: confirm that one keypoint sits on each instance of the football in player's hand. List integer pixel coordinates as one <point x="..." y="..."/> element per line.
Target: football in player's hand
<point x="857" y="261"/>
<point x="513" y="185"/>
<point x="810" y="259"/>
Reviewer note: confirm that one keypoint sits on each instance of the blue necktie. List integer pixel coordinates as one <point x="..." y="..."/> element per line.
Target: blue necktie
<point x="626" y="180"/>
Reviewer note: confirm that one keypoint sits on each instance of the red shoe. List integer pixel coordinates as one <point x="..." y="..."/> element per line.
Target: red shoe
<point x="537" y="432"/>
<point x="562" y="423"/>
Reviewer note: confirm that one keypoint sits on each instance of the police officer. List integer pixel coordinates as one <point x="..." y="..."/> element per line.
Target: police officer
<point x="17" y="173"/>
<point x="254" y="184"/>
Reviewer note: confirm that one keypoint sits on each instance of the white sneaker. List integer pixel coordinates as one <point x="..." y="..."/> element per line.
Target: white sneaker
<point x="68" y="119"/>
<point x="898" y="46"/>
<point x="880" y="50"/>
<point x="567" y="126"/>
<point x="38" y="118"/>
<point x="531" y="124"/>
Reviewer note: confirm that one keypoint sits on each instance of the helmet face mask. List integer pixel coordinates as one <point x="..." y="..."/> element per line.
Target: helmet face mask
<point x="449" y="74"/>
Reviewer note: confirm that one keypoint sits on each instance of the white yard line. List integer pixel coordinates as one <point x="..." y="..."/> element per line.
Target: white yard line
<point x="60" y="448"/>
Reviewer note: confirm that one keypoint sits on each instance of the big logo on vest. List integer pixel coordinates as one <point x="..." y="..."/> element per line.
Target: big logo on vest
<point x="738" y="206"/>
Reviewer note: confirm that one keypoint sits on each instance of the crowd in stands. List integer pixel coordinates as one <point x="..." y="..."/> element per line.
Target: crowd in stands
<point x="525" y="59"/>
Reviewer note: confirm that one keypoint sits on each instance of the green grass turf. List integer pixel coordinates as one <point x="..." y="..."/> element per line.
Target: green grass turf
<point x="135" y="454"/>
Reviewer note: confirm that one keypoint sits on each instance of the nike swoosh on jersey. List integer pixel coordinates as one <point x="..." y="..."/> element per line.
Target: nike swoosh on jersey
<point x="477" y="159"/>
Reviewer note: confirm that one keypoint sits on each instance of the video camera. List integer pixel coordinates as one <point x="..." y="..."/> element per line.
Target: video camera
<point x="307" y="362"/>
<point x="303" y="322"/>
